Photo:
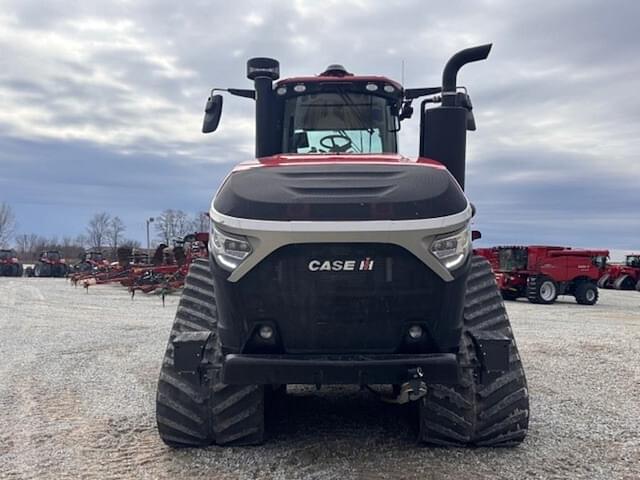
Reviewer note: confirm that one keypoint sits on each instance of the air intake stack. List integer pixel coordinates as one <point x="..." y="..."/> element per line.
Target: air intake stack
<point x="264" y="71"/>
<point x="443" y="130"/>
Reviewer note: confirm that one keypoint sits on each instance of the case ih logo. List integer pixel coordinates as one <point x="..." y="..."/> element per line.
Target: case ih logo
<point x="341" y="265"/>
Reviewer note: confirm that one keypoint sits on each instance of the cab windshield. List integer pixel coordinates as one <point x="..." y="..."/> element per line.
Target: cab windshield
<point x="4" y="254"/>
<point x="600" y="261"/>
<point x="339" y="122"/>
<point x="633" y="261"/>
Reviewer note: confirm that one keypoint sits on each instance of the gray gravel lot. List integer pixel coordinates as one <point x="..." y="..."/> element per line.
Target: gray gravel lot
<point x="78" y="374"/>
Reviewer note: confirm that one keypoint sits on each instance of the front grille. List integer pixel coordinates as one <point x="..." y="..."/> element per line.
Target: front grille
<point x="340" y="311"/>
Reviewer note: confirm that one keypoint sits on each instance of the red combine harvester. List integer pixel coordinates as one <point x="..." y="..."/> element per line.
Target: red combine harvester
<point x="10" y="266"/>
<point x="541" y="273"/>
<point x="622" y="276"/>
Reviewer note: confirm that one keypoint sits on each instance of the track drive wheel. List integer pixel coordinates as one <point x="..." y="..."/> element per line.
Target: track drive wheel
<point x="479" y="411"/>
<point x="196" y="409"/>
<point x="603" y="281"/>
<point x="542" y="289"/>
<point x="624" y="282"/>
<point x="586" y="293"/>
<point x="42" y="270"/>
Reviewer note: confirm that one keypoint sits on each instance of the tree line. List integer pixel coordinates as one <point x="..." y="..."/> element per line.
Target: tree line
<point x="104" y="232"/>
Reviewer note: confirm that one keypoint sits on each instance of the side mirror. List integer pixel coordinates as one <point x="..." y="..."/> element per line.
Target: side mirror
<point x="471" y="121"/>
<point x="212" y="114"/>
<point x="300" y="140"/>
<point x="476" y="235"/>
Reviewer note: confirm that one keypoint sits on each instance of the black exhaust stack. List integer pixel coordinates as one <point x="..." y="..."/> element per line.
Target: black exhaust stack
<point x="263" y="72"/>
<point x="443" y="130"/>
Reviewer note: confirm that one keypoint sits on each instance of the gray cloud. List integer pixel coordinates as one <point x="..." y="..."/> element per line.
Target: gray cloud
<point x="95" y="90"/>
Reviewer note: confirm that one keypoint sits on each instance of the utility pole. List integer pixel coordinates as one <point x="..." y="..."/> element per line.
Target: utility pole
<point x="149" y="220"/>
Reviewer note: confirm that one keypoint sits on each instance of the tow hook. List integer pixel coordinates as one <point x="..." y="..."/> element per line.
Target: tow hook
<point x="412" y="390"/>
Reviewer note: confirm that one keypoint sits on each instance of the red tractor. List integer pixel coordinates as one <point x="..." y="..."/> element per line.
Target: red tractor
<point x="541" y="273"/>
<point x="622" y="276"/>
<point x="50" y="264"/>
<point x="91" y="261"/>
<point x="10" y="266"/>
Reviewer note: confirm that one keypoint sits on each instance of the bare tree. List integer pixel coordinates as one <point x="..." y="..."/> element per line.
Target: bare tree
<point x="81" y="240"/>
<point x="98" y="230"/>
<point x="116" y="229"/>
<point x="29" y="246"/>
<point x="27" y="243"/>
<point x="130" y="243"/>
<point x="172" y="224"/>
<point x="7" y="223"/>
<point x="201" y="222"/>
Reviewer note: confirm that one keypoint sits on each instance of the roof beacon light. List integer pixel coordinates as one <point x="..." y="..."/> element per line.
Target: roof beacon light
<point x="263" y="67"/>
<point x="336" y="70"/>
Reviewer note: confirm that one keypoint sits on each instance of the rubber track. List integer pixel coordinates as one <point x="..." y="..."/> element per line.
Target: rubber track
<point x="494" y="413"/>
<point x="195" y="412"/>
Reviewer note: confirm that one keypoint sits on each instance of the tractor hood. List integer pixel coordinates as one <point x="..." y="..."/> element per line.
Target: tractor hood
<point x="339" y="188"/>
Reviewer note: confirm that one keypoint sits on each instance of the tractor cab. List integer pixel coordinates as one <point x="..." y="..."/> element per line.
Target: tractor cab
<point x="632" y="261"/>
<point x="339" y="113"/>
<point x="93" y="256"/>
<point x="513" y="258"/>
<point x="600" y="261"/>
<point x="50" y="256"/>
<point x="7" y="255"/>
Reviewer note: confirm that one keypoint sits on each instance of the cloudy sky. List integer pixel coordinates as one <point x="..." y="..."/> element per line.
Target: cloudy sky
<point x="101" y="103"/>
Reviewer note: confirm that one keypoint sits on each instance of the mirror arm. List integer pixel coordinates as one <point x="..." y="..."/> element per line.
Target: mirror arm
<point x="238" y="92"/>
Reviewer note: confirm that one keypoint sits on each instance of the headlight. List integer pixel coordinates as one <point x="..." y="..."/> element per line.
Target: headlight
<point x="453" y="250"/>
<point x="229" y="250"/>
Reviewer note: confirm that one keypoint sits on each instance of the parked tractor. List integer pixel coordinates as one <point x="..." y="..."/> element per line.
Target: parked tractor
<point x="10" y="266"/>
<point x="542" y="273"/>
<point x="49" y="264"/>
<point x="622" y="276"/>
<point x="91" y="261"/>
<point x="335" y="260"/>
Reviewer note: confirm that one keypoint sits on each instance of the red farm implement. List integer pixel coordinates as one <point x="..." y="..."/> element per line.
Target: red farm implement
<point x="164" y="273"/>
<point x="542" y="273"/>
<point x="622" y="276"/>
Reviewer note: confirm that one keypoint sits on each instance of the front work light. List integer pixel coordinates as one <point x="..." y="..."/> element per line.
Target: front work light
<point x="229" y="250"/>
<point x="453" y="250"/>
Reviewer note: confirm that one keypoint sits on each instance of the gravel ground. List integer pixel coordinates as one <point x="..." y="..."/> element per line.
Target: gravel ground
<point x="78" y="375"/>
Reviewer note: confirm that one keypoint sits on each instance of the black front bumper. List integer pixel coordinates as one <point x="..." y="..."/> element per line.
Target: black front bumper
<point x="244" y="369"/>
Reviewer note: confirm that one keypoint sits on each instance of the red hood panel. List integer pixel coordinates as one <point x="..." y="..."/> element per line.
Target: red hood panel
<point x="282" y="160"/>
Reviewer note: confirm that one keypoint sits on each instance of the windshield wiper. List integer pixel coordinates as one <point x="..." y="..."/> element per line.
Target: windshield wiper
<point x="350" y="103"/>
